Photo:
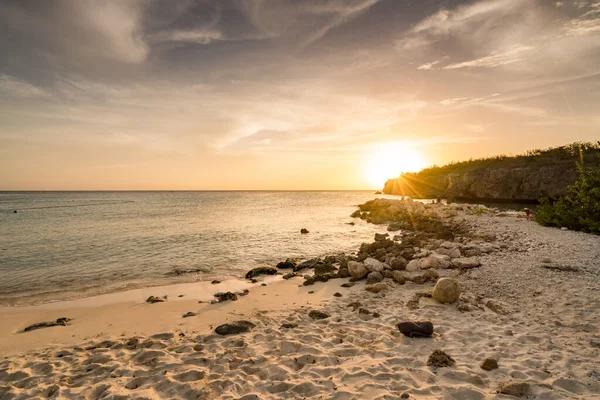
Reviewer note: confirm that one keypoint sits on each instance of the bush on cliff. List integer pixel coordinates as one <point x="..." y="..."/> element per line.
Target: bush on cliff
<point x="579" y="209"/>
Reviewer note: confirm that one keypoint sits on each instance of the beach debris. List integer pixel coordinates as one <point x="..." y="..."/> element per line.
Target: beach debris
<point x="63" y="321"/>
<point x="316" y="314"/>
<point x="489" y="364"/>
<point x="289" y="325"/>
<point x="357" y="269"/>
<point x="226" y="296"/>
<point x="154" y="299"/>
<point x="234" y="328"/>
<point x="439" y="359"/>
<point x="514" y="388"/>
<point x="260" y="271"/>
<point x="303" y="230"/>
<point x="446" y="290"/>
<point x="215" y="282"/>
<point x="374" y="277"/>
<point x="377" y="287"/>
<point x="416" y="329"/>
<point x="189" y="314"/>
<point x="347" y="284"/>
<point x="561" y="268"/>
<point x="287" y="264"/>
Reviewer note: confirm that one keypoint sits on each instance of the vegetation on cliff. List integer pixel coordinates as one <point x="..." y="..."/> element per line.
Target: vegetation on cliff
<point x="579" y="209"/>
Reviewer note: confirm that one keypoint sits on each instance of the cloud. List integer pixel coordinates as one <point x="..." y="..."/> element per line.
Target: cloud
<point x="495" y="59"/>
<point x="428" y="66"/>
<point x="15" y="87"/>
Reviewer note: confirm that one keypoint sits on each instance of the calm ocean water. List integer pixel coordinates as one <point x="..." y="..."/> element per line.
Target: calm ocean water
<point x="67" y="244"/>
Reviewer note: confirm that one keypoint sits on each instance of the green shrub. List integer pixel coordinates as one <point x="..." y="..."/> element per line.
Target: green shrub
<point x="579" y="209"/>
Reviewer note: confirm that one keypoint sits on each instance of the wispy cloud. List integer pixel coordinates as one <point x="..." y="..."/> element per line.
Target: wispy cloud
<point x="495" y="59"/>
<point x="15" y="87"/>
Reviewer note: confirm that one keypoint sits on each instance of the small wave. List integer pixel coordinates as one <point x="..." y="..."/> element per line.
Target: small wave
<point x="103" y="203"/>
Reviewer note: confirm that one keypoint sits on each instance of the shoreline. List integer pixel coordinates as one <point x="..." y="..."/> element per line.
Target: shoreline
<point x="522" y="307"/>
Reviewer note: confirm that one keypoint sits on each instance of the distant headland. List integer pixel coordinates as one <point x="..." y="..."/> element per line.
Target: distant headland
<point x="522" y="178"/>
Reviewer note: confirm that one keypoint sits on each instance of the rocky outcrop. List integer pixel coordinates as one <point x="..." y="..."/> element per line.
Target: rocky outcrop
<point x="513" y="179"/>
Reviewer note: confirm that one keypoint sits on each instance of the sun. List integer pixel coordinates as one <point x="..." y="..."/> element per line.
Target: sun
<point x="388" y="160"/>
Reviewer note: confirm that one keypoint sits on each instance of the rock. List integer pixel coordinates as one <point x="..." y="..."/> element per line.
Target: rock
<point x="337" y="294"/>
<point x="446" y="290"/>
<point x="489" y="364"/>
<point x="154" y="299"/>
<point x="347" y="284"/>
<point x="465" y="263"/>
<point x="364" y="311"/>
<point x="397" y="238"/>
<point x="234" y="328"/>
<point x="344" y="273"/>
<point x="416" y="329"/>
<point x="376" y="288"/>
<point x="304" y="231"/>
<point x="376" y="315"/>
<point x="323" y="269"/>
<point x="439" y="359"/>
<point x="381" y="236"/>
<point x="452" y="253"/>
<point x="260" y="271"/>
<point x="497" y="307"/>
<point x="290" y="275"/>
<point x="215" y="282"/>
<point x="289" y="326"/>
<point x="398" y="277"/>
<point x="374" y="277"/>
<point x="189" y="314"/>
<point x="428" y="276"/>
<point x="244" y="292"/>
<point x="289" y="263"/>
<point x="226" y="296"/>
<point x="398" y="263"/>
<point x="386" y="274"/>
<point x="315" y="314"/>
<point x="380" y="254"/>
<point x="514" y="388"/>
<point x="394" y="227"/>
<point x="564" y="228"/>
<point x="263" y="284"/>
<point x="63" y="321"/>
<point x="357" y="270"/>
<point x="562" y="268"/>
<point x="374" y="265"/>
<point x="307" y="264"/>
<point x="355" y="214"/>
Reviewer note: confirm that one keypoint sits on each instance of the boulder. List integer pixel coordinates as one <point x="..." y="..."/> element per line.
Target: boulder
<point x="260" y="271"/>
<point x="289" y="263"/>
<point x="322" y="269"/>
<point x="381" y="236"/>
<point x="399" y="277"/>
<point x="303" y="230"/>
<point x="315" y="314"/>
<point x="465" y="263"/>
<point x="344" y="273"/>
<point x="306" y="264"/>
<point x="374" y="277"/>
<point x="514" y="388"/>
<point x="431" y="262"/>
<point x="357" y="270"/>
<point x="398" y="263"/>
<point x="377" y="287"/>
<point x="374" y="265"/>
<point x="234" y="328"/>
<point x="394" y="227"/>
<point x="489" y="364"/>
<point x="446" y="290"/>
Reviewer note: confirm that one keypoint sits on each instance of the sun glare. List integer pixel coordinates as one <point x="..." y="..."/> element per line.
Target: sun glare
<point x="388" y="160"/>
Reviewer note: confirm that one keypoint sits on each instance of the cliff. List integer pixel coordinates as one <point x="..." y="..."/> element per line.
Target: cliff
<point x="523" y="178"/>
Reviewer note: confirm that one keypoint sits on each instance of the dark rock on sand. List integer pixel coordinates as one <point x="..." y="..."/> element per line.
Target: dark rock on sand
<point x="263" y="284"/>
<point x="215" y="282"/>
<point x="306" y="264"/>
<point x="287" y="264"/>
<point x="154" y="299"/>
<point x="315" y="314"/>
<point x="226" y="296"/>
<point x="290" y="275"/>
<point x="344" y="273"/>
<point x="63" y="321"/>
<point x="439" y="359"/>
<point x="303" y="230"/>
<point x="260" y="271"/>
<point x="355" y="214"/>
<point x="364" y="311"/>
<point x="189" y="314"/>
<point x="337" y="294"/>
<point x="376" y="315"/>
<point x="381" y="236"/>
<point x="489" y="364"/>
<point x="416" y="329"/>
<point x="347" y="284"/>
<point x="377" y="287"/>
<point x="374" y="277"/>
<point x="244" y="292"/>
<point x="323" y="269"/>
<point x="514" y="388"/>
<point x="355" y="305"/>
<point x="288" y="325"/>
<point x="429" y="275"/>
<point x="234" y="328"/>
<point x="394" y="227"/>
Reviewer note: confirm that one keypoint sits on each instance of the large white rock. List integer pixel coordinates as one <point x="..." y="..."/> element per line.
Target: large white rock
<point x="357" y="270"/>
<point x="427" y="263"/>
<point x="446" y="290"/>
<point x="374" y="265"/>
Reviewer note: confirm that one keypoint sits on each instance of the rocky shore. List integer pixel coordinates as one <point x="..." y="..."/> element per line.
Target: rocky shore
<point x="449" y="301"/>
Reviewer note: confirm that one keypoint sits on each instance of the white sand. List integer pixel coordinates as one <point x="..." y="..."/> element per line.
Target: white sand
<point x="548" y="338"/>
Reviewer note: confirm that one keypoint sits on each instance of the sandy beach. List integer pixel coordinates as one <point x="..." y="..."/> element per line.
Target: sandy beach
<point x="533" y="306"/>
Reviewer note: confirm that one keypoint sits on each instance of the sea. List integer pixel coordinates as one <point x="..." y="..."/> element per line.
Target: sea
<point x="64" y="245"/>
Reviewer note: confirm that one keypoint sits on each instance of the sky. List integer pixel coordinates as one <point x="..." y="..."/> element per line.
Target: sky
<point x="284" y="94"/>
